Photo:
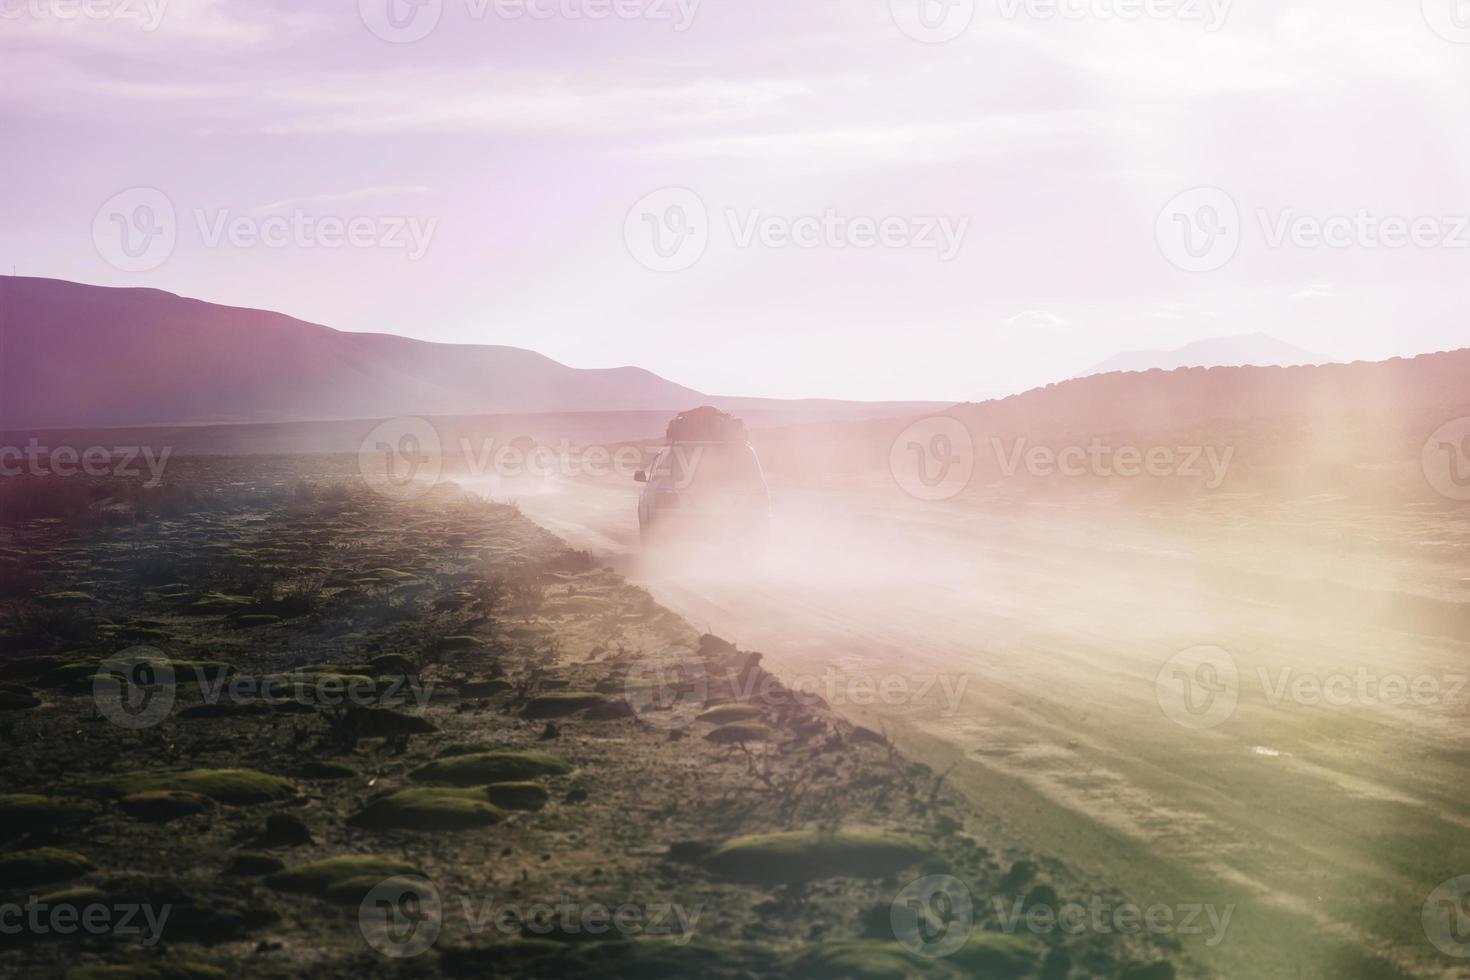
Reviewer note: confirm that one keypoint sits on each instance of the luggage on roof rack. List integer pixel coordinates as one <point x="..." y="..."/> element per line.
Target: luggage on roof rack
<point x="707" y="424"/>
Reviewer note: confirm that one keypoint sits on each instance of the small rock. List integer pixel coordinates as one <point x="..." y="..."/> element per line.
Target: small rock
<point x="284" y="830"/>
<point x="251" y="864"/>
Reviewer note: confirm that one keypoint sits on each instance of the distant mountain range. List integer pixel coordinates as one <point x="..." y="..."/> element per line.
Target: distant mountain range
<point x="74" y="355"/>
<point x="1335" y="429"/>
<point x="1247" y="350"/>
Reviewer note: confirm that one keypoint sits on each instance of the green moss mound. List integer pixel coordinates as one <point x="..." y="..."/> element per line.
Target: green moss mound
<point x="481" y="961"/>
<point x="429" y="808"/>
<point x="726" y="714"/>
<point x="453" y="644"/>
<point x="1158" y="970"/>
<point x="148" y="971"/>
<point x="806" y="855"/>
<point x="76" y="674"/>
<point x="997" y="955"/>
<point x="78" y="896"/>
<point x="64" y="599"/>
<point x="661" y="957"/>
<point x="163" y="805"/>
<point x="352" y="891"/>
<point x="217" y="603"/>
<point x="16" y="698"/>
<point x="867" y="959"/>
<point x="483" y="689"/>
<point x="561" y="703"/>
<point x="385" y="723"/>
<point x="21" y="813"/>
<point x="518" y="795"/>
<point x="252" y="864"/>
<point x="740" y="731"/>
<point x="237" y="787"/>
<point x="43" y="865"/>
<point x="490" y="767"/>
<point x="321" y="878"/>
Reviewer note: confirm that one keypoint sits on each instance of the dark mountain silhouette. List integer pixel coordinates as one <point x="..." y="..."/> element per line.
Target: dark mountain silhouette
<point x="74" y="355"/>
<point x="1255" y="350"/>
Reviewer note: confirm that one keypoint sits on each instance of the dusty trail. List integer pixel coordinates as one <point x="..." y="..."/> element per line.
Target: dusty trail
<point x="1325" y="825"/>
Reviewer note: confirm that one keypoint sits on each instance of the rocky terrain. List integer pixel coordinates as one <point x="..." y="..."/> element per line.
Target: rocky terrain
<point x="264" y="720"/>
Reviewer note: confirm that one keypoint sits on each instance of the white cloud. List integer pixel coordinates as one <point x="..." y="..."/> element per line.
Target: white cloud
<point x="1038" y="320"/>
<point x="1316" y="290"/>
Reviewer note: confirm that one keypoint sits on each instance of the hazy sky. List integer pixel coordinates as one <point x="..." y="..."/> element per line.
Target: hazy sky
<point x="975" y="214"/>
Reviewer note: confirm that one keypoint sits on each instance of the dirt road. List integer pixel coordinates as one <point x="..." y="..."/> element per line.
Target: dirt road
<point x="1305" y="769"/>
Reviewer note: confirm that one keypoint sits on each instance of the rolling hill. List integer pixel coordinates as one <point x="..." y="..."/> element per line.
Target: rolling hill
<point x="74" y="355"/>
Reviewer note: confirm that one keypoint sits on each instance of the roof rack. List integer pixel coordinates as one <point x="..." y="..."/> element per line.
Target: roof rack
<point x="707" y="424"/>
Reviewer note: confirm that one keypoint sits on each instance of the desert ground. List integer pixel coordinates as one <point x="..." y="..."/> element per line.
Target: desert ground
<point x="269" y="719"/>
<point x="1325" y="808"/>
